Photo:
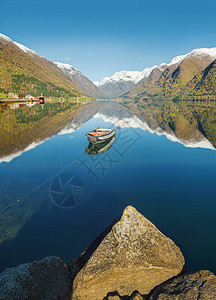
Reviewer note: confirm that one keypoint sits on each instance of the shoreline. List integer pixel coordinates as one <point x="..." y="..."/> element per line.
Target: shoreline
<point x="129" y="259"/>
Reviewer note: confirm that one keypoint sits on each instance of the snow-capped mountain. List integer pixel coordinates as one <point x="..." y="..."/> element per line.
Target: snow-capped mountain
<point x="85" y="84"/>
<point x="196" y="52"/>
<point x="120" y="82"/>
<point x="22" y="47"/>
<point x="134" y="76"/>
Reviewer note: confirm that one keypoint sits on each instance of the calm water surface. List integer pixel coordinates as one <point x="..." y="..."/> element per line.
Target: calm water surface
<point x="170" y="184"/>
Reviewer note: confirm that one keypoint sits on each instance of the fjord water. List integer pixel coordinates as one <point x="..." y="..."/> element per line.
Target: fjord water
<point x="170" y="184"/>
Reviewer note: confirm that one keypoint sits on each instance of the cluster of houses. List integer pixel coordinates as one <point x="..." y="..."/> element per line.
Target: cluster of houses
<point x="28" y="101"/>
<point x="28" y="97"/>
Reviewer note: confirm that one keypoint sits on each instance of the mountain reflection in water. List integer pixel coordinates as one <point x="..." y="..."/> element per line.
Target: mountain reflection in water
<point x="191" y="124"/>
<point x="162" y="162"/>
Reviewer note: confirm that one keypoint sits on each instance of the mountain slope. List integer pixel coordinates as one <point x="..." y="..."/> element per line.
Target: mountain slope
<point x="170" y="81"/>
<point x="202" y="86"/>
<point x="85" y="85"/>
<point x="23" y="70"/>
<point x="190" y="66"/>
<point x="123" y="81"/>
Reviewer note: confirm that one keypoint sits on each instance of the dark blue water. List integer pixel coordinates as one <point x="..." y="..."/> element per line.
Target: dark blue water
<point x="173" y="186"/>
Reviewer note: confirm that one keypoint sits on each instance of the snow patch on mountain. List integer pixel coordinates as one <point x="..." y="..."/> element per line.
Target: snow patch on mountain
<point x="177" y="59"/>
<point x="204" y="51"/>
<point x="133" y="76"/>
<point x="70" y="69"/>
<point x="4" y="37"/>
<point x="196" y="52"/>
<point x="25" y="49"/>
<point x="85" y="84"/>
<point x="22" y="47"/>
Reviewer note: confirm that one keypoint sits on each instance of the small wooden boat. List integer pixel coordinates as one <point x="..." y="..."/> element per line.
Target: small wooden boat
<point x="99" y="135"/>
<point x="100" y="147"/>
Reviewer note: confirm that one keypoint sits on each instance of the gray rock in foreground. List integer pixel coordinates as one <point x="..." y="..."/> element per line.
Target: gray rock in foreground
<point x="134" y="255"/>
<point x="47" y="279"/>
<point x="199" y="285"/>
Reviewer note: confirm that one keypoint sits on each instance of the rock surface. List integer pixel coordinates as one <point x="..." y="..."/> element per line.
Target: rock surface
<point x="136" y="296"/>
<point x="47" y="279"/>
<point x="134" y="255"/>
<point x="112" y="297"/>
<point x="190" y="286"/>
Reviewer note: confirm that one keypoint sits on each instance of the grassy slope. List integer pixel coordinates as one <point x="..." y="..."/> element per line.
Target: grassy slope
<point x="203" y="85"/>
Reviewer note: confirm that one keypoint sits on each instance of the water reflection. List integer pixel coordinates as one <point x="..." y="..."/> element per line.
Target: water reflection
<point x="191" y="124"/>
<point x="95" y="149"/>
<point x="163" y="180"/>
<point x="24" y="128"/>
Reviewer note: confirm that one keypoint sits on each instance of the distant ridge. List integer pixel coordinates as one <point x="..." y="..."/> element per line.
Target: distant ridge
<point x="85" y="84"/>
<point x="120" y="82"/>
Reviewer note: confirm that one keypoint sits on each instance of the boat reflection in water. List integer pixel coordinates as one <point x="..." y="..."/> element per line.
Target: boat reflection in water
<point x="98" y="148"/>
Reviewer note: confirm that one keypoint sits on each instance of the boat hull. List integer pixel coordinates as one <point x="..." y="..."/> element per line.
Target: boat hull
<point x="94" y="149"/>
<point x="101" y="138"/>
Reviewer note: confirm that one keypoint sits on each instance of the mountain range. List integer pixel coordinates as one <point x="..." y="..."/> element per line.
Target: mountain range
<point x="186" y="77"/>
<point x="183" y="76"/>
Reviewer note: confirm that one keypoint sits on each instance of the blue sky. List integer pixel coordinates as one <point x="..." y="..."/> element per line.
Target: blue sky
<point x="102" y="37"/>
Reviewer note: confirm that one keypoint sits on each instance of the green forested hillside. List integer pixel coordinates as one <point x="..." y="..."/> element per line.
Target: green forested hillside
<point x="202" y="86"/>
<point x="193" y="78"/>
<point x="31" y="73"/>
